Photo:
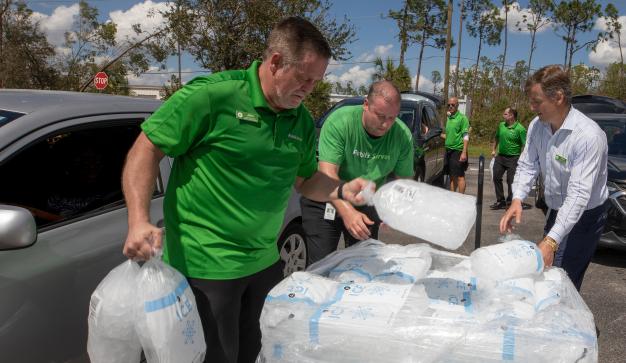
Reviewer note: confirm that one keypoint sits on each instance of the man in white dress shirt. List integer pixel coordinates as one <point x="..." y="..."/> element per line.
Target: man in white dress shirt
<point x="570" y="152"/>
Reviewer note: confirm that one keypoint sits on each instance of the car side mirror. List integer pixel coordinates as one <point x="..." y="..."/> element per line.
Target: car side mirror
<point x="17" y="227"/>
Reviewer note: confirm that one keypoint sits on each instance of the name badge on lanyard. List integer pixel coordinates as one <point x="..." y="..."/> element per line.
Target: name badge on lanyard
<point x="329" y="212"/>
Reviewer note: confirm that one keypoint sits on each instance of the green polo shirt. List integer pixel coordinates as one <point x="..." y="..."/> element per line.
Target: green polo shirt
<point x="344" y="142"/>
<point x="235" y="161"/>
<point x="456" y="127"/>
<point x="511" y="139"/>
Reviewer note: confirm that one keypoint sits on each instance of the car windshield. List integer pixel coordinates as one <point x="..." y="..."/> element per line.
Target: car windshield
<point x="8" y="116"/>
<point x="615" y="130"/>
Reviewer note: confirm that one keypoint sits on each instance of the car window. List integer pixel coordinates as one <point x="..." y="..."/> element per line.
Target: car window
<point x="407" y="115"/>
<point x="615" y="135"/>
<point x="427" y="121"/>
<point x="69" y="173"/>
<point x="8" y="116"/>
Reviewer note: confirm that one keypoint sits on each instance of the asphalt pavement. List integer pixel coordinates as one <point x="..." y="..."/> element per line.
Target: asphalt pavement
<point x="604" y="286"/>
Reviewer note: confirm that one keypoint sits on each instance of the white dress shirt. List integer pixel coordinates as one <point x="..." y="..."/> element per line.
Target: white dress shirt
<point x="572" y="162"/>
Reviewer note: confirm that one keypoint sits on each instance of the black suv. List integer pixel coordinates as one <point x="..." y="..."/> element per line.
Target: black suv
<point x="419" y="113"/>
<point x="610" y="114"/>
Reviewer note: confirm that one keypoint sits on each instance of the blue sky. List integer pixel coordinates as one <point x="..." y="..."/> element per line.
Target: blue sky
<point x="376" y="35"/>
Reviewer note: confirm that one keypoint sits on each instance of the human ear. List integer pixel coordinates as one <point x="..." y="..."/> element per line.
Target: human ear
<point x="276" y="62"/>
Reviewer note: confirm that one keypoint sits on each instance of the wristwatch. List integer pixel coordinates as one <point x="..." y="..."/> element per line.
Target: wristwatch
<point x="340" y="190"/>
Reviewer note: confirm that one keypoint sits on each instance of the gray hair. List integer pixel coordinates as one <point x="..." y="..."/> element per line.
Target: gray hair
<point x="293" y="35"/>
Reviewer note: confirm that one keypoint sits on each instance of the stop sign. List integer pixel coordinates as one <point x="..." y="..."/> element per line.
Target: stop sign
<point x="101" y="80"/>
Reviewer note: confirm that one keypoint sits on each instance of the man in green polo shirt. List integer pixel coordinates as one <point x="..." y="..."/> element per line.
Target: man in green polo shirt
<point x="508" y="143"/>
<point x="457" y="140"/>
<point x="366" y="141"/>
<point x="240" y="140"/>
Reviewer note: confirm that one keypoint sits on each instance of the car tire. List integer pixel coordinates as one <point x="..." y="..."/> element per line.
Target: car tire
<point x="292" y="248"/>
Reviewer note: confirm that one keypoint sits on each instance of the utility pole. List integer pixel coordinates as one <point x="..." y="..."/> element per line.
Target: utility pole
<point x="446" y="81"/>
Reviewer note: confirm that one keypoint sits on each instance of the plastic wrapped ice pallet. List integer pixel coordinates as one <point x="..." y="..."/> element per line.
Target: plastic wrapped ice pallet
<point x="433" y="214"/>
<point x="388" y="303"/>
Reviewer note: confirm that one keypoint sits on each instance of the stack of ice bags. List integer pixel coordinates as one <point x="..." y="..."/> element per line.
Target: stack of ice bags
<point x="375" y="302"/>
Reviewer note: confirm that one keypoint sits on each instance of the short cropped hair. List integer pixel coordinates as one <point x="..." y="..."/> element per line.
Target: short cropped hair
<point x="384" y="89"/>
<point x="293" y="35"/>
<point x="513" y="111"/>
<point x="552" y="78"/>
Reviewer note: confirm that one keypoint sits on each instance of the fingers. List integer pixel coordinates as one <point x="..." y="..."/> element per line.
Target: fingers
<point x="142" y="242"/>
<point x="357" y="226"/>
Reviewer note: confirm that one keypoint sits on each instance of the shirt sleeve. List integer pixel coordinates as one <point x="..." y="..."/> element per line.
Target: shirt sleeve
<point x="405" y="164"/>
<point x="465" y="126"/>
<point x="308" y="166"/>
<point x="175" y="126"/>
<point x="332" y="138"/>
<point x="528" y="163"/>
<point x="584" y="172"/>
<point x="522" y="135"/>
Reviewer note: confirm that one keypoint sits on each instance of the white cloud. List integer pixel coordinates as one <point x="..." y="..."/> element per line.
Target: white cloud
<point x="357" y="75"/>
<point x="379" y="51"/>
<point x="426" y="85"/>
<point x="516" y="15"/>
<point x="159" y="77"/>
<point x="147" y="14"/>
<point x="56" y="24"/>
<point x="607" y="52"/>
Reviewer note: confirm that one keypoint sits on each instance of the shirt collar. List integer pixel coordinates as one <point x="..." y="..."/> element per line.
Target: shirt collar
<point x="571" y="120"/>
<point x="256" y="92"/>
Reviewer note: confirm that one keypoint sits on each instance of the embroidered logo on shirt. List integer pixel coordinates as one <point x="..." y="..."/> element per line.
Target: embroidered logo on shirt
<point x="246" y="116"/>
<point x="560" y="159"/>
<point x="294" y="137"/>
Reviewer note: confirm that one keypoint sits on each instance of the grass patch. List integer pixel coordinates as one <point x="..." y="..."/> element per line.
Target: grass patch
<point x="475" y="149"/>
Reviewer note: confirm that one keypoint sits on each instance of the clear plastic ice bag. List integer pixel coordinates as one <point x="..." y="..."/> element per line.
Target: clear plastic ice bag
<point x="433" y="214"/>
<point x="112" y="337"/>
<point x="168" y="322"/>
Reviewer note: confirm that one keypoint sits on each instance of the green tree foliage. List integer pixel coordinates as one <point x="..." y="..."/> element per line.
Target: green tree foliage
<point x="422" y="22"/>
<point x="230" y="34"/>
<point x="584" y="79"/>
<point x="614" y="31"/>
<point x="573" y="18"/>
<point x="486" y="25"/>
<point x="319" y="100"/>
<point x="405" y="24"/>
<point x="398" y="75"/>
<point x="537" y="18"/>
<point x="24" y="50"/>
<point x="612" y="84"/>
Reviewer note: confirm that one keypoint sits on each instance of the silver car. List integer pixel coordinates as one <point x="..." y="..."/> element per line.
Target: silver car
<point x="63" y="219"/>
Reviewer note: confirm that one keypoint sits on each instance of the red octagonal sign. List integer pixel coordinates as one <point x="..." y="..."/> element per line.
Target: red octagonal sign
<point x="101" y="80"/>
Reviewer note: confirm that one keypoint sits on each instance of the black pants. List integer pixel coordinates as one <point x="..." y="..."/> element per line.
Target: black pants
<point x="453" y="165"/>
<point x="504" y="163"/>
<point x="322" y="236"/>
<point x="230" y="312"/>
<point x="577" y="248"/>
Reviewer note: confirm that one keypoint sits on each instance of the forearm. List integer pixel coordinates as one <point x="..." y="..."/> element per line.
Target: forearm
<point x="320" y="187"/>
<point x="138" y="179"/>
<point x="342" y="207"/>
<point x="465" y="143"/>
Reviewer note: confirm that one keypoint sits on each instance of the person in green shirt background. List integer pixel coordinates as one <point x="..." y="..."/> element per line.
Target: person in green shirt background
<point x="367" y="141"/>
<point x="508" y="143"/>
<point x="240" y="140"/>
<point x="457" y="141"/>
